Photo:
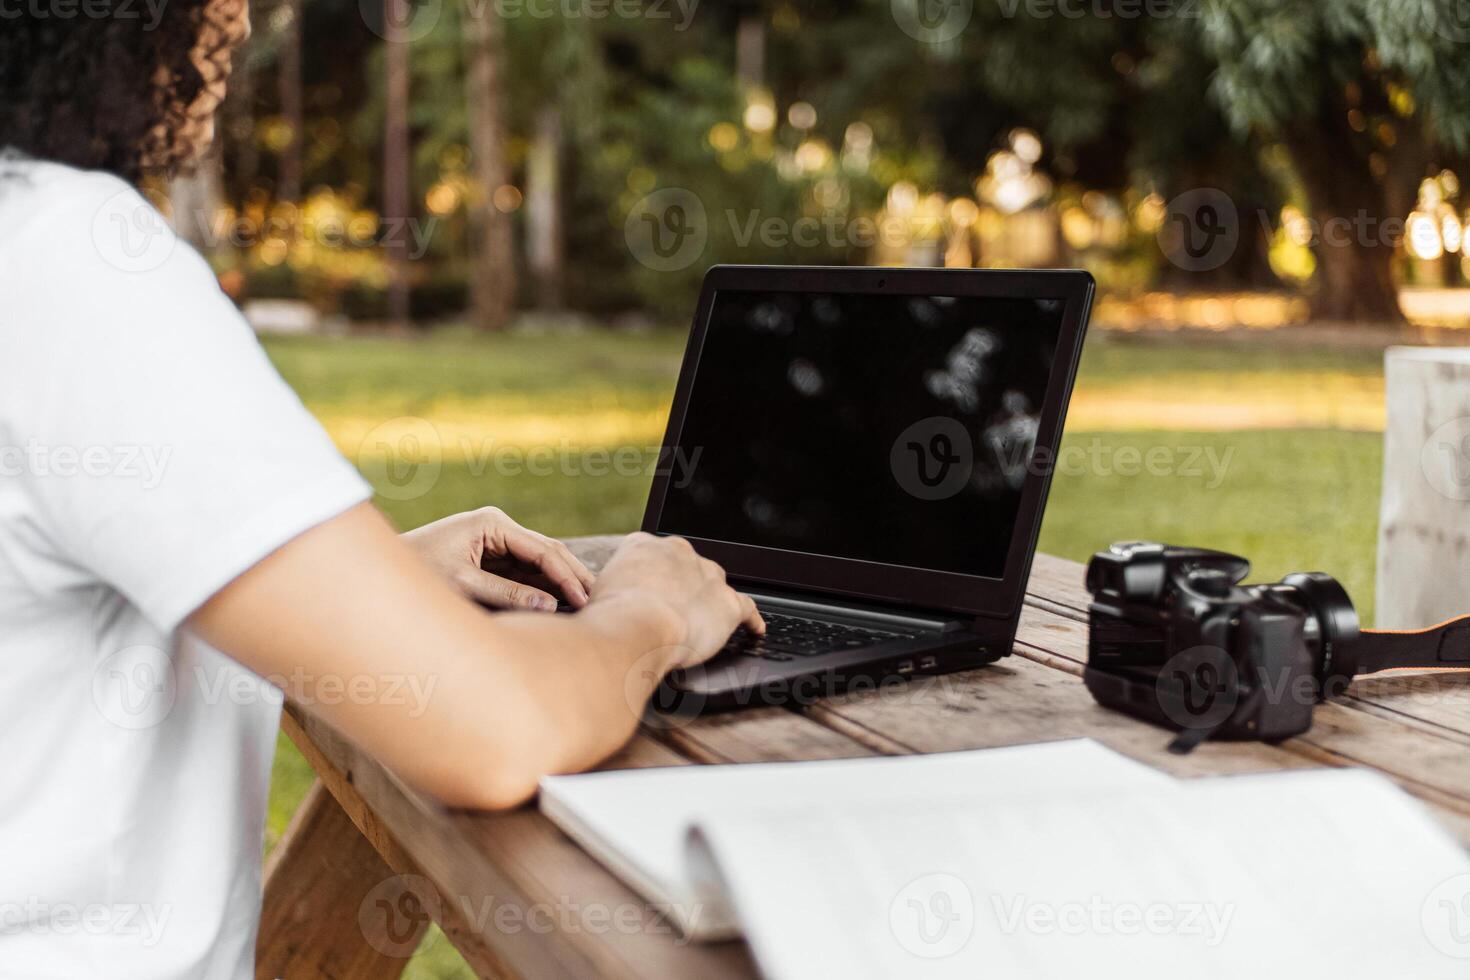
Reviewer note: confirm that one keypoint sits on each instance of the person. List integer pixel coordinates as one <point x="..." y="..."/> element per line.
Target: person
<point x="181" y="544"/>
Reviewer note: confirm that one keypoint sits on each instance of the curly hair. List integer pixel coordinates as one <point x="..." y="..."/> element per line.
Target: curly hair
<point x="112" y="86"/>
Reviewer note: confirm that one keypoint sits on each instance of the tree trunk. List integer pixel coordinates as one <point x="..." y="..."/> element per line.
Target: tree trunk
<point x="1248" y="266"/>
<point x="196" y="198"/>
<point x="396" y="176"/>
<point x="288" y="186"/>
<point x="1358" y="220"/>
<point x="492" y="266"/>
<point x="237" y="122"/>
<point x="750" y="52"/>
<point x="1355" y="284"/>
<point x="543" y="209"/>
<point x="1354" y="247"/>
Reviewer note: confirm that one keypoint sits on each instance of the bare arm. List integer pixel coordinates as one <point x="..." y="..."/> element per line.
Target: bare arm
<point x="505" y="698"/>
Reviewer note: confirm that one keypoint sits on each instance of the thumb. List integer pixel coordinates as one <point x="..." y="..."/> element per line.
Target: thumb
<point x="502" y="593"/>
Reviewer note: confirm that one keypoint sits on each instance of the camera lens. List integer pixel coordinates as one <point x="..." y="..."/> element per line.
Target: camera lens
<point x="1327" y="602"/>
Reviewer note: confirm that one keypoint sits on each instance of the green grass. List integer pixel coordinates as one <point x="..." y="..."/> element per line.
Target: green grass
<point x="389" y="376"/>
<point x="1287" y="498"/>
<point x="1112" y="358"/>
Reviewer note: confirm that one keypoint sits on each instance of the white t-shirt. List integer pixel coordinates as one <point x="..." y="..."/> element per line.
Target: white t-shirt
<point x="149" y="454"/>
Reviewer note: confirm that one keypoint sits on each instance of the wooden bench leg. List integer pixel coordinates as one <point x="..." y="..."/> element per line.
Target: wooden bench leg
<point x="332" y="909"/>
<point x="375" y="896"/>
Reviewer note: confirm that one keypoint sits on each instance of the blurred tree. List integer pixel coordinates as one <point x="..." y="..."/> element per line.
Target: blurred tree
<point x="544" y="252"/>
<point x="1181" y="140"/>
<point x="1120" y="109"/>
<point x="286" y="18"/>
<point x="558" y="94"/>
<point x="1366" y="95"/>
<point x="493" y="270"/>
<point x="397" y="178"/>
<point x="237" y="119"/>
<point x="534" y="137"/>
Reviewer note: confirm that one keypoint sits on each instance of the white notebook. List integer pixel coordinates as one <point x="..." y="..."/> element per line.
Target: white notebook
<point x="1054" y="860"/>
<point x="635" y="822"/>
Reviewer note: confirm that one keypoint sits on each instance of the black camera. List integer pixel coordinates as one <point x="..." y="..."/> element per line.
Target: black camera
<point x="1178" y="641"/>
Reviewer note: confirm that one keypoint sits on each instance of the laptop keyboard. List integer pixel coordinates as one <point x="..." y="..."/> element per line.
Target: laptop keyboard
<point x="789" y="637"/>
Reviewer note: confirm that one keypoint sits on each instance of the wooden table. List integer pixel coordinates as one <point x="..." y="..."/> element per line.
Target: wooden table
<point x="367" y="861"/>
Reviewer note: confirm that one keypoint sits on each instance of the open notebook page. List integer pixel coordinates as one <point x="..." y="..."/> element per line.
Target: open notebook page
<point x="1327" y="873"/>
<point x="635" y="822"/>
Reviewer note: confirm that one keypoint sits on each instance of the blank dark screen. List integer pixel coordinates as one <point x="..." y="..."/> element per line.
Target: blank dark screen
<point x="893" y="429"/>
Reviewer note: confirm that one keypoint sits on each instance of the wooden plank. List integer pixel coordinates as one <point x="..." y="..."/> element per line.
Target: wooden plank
<point x="1059" y="582"/>
<point x="1439" y="699"/>
<point x="321" y="877"/>
<point x="525" y="897"/>
<point x="1020" y="700"/>
<point x="402" y="887"/>
<point x="1023" y="704"/>
<point x="1384" y="725"/>
<point x="759" y="735"/>
<point x="1429" y="762"/>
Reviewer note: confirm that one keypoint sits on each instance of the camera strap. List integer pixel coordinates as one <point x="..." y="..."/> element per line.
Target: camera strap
<point x="1446" y="644"/>
<point x="1189" y="739"/>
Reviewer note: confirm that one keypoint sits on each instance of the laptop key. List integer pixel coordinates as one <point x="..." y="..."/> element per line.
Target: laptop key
<point x="787" y="637"/>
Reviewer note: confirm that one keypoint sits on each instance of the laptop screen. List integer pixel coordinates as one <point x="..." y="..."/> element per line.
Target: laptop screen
<point x="883" y="428"/>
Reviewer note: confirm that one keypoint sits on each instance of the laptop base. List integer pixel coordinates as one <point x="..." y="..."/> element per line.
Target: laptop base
<point x="729" y="682"/>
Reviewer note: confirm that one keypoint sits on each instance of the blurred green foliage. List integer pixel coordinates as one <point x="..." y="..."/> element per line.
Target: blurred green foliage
<point x="1128" y="99"/>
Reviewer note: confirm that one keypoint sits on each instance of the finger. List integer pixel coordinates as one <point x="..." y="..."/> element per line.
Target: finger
<point x="583" y="573"/>
<point x="542" y="553"/>
<point x="750" y="616"/>
<point x="502" y="593"/>
<point x="517" y="572"/>
<point x="533" y="549"/>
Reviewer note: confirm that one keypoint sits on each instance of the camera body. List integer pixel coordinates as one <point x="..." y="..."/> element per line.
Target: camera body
<point x="1176" y="639"/>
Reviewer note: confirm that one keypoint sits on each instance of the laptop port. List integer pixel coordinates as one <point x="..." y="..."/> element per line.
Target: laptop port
<point x="905" y="666"/>
<point x="928" y="663"/>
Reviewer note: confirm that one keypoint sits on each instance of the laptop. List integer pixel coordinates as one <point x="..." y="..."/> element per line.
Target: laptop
<point x="867" y="452"/>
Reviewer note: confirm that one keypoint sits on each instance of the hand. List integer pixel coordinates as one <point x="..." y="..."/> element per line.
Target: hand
<point x="692" y="589"/>
<point x="470" y="549"/>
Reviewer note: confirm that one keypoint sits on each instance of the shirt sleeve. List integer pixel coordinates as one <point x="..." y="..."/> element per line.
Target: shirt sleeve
<point x="163" y="453"/>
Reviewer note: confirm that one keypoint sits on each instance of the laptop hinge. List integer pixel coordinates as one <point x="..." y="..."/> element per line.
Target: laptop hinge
<point x="813" y="606"/>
